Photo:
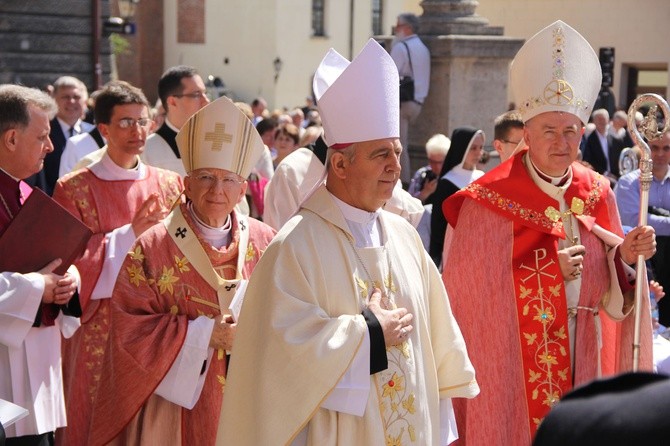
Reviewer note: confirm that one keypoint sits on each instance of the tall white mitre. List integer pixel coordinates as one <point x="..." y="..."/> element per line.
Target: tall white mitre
<point x="556" y="70"/>
<point x="358" y="100"/>
<point x="220" y="136"/>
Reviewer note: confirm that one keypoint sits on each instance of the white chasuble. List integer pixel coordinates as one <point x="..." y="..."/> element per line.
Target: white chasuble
<point x="302" y="321"/>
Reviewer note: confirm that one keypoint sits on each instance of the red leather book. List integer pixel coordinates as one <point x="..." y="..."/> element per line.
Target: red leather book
<point x="42" y="231"/>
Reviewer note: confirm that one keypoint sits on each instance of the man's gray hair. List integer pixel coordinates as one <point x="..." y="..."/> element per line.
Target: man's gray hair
<point x="70" y="82"/>
<point x="15" y="101"/>
<point x="601" y="112"/>
<point x="621" y="115"/>
<point x="411" y="20"/>
<point x="349" y="152"/>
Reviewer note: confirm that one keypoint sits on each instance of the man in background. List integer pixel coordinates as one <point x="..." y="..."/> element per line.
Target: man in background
<point x="182" y="93"/>
<point x="412" y="58"/>
<point x="507" y="134"/>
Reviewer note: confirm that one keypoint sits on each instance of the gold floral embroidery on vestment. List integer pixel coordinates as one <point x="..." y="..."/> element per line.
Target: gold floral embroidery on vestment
<point x="137" y="254"/>
<point x="251" y="252"/>
<point x="552" y="217"/>
<point x="182" y="264"/>
<point x="166" y="279"/>
<point x="511" y="206"/>
<point x="135" y="275"/>
<point x="396" y="401"/>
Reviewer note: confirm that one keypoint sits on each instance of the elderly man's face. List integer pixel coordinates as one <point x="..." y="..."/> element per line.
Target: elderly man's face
<point x="372" y="173"/>
<point x="71" y="103"/>
<point x="601" y="122"/>
<point x="214" y="193"/>
<point x="553" y="140"/>
<point x="31" y="144"/>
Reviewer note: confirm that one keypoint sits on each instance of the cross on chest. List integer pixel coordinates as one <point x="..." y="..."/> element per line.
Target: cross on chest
<point x="181" y="232"/>
<point x="218" y="136"/>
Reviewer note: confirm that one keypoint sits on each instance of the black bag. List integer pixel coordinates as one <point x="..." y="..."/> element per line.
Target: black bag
<point x="407" y="82"/>
<point x="406" y="89"/>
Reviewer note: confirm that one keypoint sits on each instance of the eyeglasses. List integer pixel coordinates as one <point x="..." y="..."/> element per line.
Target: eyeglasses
<point x="209" y="180"/>
<point x="195" y="95"/>
<point x="126" y="123"/>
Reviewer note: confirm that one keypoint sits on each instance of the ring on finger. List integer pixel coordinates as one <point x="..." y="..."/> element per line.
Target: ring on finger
<point x="403" y="332"/>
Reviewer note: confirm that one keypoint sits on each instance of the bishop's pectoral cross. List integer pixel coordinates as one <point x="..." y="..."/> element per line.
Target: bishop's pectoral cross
<point x="218" y="136"/>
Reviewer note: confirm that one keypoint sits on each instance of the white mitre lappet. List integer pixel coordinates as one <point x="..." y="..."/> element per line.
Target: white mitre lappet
<point x="556" y="70"/>
<point x="220" y="136"/>
<point x="358" y="100"/>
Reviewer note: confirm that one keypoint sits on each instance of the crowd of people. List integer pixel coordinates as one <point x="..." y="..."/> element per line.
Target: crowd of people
<point x="261" y="278"/>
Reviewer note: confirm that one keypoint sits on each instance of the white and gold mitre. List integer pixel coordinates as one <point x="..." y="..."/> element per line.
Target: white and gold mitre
<point x="556" y="70"/>
<point x="358" y="100"/>
<point x="220" y="136"/>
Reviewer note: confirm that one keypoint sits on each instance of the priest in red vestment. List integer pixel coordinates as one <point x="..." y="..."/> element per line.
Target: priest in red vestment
<point x="535" y="264"/>
<point x="119" y="198"/>
<point x="36" y="308"/>
<point x="174" y="304"/>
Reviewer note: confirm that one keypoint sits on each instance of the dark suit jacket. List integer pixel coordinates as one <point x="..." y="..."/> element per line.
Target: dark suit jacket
<point x="52" y="160"/>
<point x="592" y="153"/>
<point x="629" y="409"/>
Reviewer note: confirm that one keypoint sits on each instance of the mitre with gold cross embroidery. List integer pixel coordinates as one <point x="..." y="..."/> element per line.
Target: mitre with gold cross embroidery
<point x="220" y="136"/>
<point x="556" y="70"/>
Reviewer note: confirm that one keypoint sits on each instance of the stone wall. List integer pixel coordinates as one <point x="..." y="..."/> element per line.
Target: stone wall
<point x="43" y="40"/>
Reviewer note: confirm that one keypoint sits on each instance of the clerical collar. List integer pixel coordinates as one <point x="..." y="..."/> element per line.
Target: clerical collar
<point x="171" y="125"/>
<point x="108" y="170"/>
<point x="555" y="181"/>
<point x="217" y="237"/>
<point x="364" y="225"/>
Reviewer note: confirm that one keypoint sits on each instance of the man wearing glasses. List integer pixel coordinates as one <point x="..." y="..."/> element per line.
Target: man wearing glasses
<point x="176" y="287"/>
<point x="118" y="197"/>
<point x="507" y="134"/>
<point x="182" y="92"/>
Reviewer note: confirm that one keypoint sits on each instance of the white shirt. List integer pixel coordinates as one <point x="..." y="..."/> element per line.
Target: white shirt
<point x="420" y="69"/>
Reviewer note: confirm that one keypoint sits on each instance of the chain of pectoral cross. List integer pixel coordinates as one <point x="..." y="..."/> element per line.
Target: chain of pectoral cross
<point x="387" y="299"/>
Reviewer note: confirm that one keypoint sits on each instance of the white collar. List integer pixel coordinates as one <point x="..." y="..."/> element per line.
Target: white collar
<point x="555" y="181"/>
<point x="364" y="225"/>
<point x="217" y="237"/>
<point x="171" y="125"/>
<point x="550" y="189"/>
<point x="108" y="170"/>
<point x="66" y="127"/>
<point x="461" y="177"/>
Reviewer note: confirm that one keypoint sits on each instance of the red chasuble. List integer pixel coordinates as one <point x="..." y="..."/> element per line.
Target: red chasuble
<point x="512" y="217"/>
<point x="103" y="206"/>
<point x="158" y="291"/>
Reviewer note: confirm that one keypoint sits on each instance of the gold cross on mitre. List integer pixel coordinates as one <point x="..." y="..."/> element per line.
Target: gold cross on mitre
<point x="218" y="136"/>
